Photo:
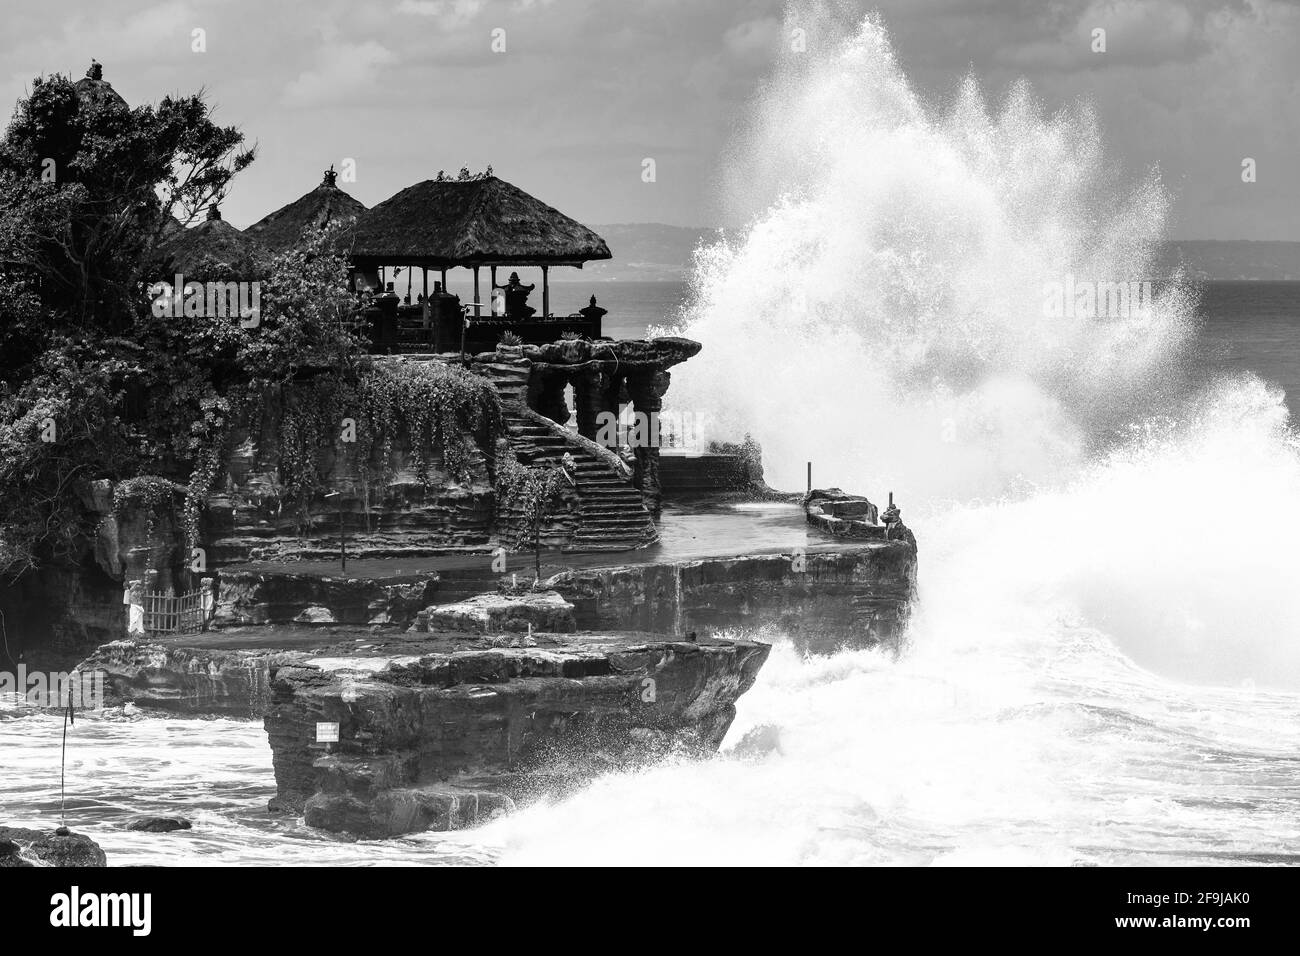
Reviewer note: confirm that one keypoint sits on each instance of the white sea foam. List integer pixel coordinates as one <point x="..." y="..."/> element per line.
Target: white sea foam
<point x="1103" y="663"/>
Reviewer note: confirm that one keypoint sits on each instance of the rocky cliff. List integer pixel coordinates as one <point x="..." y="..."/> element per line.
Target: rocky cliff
<point x="417" y="508"/>
<point x="449" y="738"/>
<point x="855" y="597"/>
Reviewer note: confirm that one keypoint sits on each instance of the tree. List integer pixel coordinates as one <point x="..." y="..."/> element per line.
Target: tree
<point x="535" y="490"/>
<point x="88" y="186"/>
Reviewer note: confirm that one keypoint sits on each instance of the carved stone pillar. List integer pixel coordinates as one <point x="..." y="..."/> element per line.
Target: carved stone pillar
<point x="646" y="390"/>
<point x="589" y="388"/>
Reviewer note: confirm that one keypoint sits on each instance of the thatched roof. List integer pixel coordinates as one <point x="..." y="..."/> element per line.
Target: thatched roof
<point x="283" y="229"/>
<point x="196" y="250"/>
<point x="471" y="221"/>
<point x="93" y="89"/>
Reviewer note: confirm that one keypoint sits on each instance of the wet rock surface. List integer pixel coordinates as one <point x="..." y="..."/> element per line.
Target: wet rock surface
<point x="20" y="847"/>
<point x="190" y="680"/>
<point x="850" y="597"/>
<point x="156" y="824"/>
<point x="260" y="597"/>
<point x="840" y="515"/>
<point x="483" y="703"/>
<point x="493" y="613"/>
<point x="450" y="738"/>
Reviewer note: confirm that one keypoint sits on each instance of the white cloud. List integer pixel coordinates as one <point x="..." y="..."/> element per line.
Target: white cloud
<point x="450" y="14"/>
<point x="344" y="73"/>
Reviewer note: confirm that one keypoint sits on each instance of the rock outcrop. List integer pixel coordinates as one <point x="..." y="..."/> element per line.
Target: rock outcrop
<point x="840" y="515"/>
<point x="501" y="613"/>
<point x="21" y="847"/>
<point x="450" y="738"/>
<point x="270" y="593"/>
<point x="146" y="823"/>
<point x="850" y="597"/>
<point x="188" y="680"/>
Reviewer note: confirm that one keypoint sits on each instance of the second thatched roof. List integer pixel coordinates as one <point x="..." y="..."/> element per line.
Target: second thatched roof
<point x="214" y="245"/>
<point x="478" y="220"/>
<point x="285" y="228"/>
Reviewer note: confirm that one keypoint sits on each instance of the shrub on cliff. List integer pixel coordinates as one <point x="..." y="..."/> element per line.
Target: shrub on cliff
<point x="443" y="415"/>
<point x="60" y="428"/>
<point x="535" y="491"/>
<point x="93" y="382"/>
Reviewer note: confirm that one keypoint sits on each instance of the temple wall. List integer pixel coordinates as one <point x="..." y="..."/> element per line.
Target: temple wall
<point x="250" y="516"/>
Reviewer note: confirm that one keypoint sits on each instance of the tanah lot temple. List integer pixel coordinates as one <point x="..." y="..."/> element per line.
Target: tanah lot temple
<point x="415" y="666"/>
<point x="551" y="370"/>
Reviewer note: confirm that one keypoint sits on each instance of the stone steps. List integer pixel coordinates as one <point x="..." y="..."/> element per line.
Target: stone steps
<point x="611" y="514"/>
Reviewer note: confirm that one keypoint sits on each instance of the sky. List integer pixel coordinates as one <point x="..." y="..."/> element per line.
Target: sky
<point x="567" y="98"/>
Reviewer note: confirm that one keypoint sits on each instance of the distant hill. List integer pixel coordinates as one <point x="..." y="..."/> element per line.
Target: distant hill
<point x="652" y="251"/>
<point x="646" y="251"/>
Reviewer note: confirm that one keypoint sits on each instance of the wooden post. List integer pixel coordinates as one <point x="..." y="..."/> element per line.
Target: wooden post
<point x="492" y="292"/>
<point x="809" y="476"/>
<point x="425" y="312"/>
<point x="477" y="307"/>
<point x="546" y="291"/>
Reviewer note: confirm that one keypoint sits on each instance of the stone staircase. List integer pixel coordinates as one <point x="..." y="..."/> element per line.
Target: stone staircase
<point x="611" y="515"/>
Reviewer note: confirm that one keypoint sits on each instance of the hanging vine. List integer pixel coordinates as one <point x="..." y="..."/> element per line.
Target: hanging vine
<point x="441" y="414"/>
<point x="149" y="494"/>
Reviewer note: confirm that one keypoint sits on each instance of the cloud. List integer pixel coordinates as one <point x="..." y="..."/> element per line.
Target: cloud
<point x="346" y="73"/>
<point x="1147" y="33"/>
<point x="450" y="14"/>
<point x="754" y="40"/>
<point x="589" y="87"/>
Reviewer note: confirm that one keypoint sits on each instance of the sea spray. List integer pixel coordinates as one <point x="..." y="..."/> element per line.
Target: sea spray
<point x="1102" y="544"/>
<point x="890" y="291"/>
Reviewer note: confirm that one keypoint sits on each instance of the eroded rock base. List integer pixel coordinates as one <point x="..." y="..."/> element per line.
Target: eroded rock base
<point x="451" y="738"/>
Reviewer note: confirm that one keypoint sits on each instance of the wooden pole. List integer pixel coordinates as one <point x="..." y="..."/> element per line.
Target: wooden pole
<point x="546" y="291"/>
<point x="477" y="307"/>
<point x="492" y="292"/>
<point x="810" y="476"/>
<point x="425" y="312"/>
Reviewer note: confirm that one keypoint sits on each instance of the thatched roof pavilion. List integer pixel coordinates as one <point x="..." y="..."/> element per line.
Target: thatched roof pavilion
<point x="213" y="242"/>
<point x="470" y="222"/>
<point x="284" y="229"/>
<point x="93" y="89"/>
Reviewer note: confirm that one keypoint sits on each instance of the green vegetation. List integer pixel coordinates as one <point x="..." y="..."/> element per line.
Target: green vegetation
<point x="94" y="384"/>
<point x="536" y="491"/>
<point x="440" y="411"/>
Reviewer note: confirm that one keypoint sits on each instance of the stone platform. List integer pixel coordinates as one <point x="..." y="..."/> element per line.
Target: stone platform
<point x="440" y="730"/>
<point x="457" y="711"/>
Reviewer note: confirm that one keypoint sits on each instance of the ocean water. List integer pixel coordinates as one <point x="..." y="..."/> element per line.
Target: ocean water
<point x="1103" y="666"/>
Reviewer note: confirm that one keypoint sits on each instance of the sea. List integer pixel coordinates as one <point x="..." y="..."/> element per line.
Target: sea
<point x="1103" y="662"/>
<point x="1069" y="752"/>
